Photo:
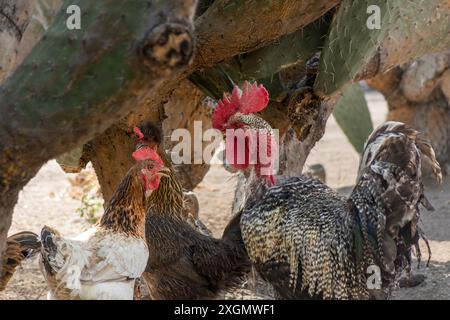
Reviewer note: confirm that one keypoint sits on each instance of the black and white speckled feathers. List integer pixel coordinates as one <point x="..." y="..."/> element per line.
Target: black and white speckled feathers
<point x="310" y="242"/>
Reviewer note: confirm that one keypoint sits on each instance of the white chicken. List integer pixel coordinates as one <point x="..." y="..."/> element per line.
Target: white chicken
<point x="104" y="262"/>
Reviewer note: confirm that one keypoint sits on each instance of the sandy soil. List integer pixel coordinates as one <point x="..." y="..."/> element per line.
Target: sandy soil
<point x="46" y="200"/>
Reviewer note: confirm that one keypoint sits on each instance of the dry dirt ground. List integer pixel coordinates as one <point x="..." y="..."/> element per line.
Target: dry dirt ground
<point x="46" y="200"/>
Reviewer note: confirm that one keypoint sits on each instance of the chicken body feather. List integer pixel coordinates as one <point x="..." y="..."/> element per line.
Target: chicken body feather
<point x="187" y="264"/>
<point x="310" y="242"/>
<point x="104" y="265"/>
<point x="185" y="261"/>
<point x="104" y="261"/>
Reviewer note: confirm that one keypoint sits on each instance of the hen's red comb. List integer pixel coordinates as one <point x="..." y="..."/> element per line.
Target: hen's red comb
<point x="147" y="153"/>
<point x="253" y="98"/>
<point x="138" y="133"/>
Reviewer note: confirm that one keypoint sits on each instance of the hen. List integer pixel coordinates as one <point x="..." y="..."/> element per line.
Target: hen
<point x="185" y="262"/>
<point x="103" y="262"/>
<point x="19" y="247"/>
<point x="310" y="242"/>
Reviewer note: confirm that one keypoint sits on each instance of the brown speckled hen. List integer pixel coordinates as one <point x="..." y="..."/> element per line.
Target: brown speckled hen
<point x="185" y="262"/>
<point x="104" y="262"/>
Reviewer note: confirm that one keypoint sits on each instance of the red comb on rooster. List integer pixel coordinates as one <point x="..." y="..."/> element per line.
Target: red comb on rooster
<point x="236" y="111"/>
<point x="251" y="99"/>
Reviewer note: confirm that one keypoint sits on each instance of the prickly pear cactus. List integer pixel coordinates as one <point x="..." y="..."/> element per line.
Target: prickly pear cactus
<point x="79" y="68"/>
<point x="264" y="65"/>
<point x="421" y="27"/>
<point x="202" y="6"/>
<point x="353" y="116"/>
<point x="212" y="81"/>
<point x="300" y="45"/>
<point x="407" y="30"/>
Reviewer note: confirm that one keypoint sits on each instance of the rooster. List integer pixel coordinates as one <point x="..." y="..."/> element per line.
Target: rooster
<point x="103" y="262"/>
<point x="185" y="262"/>
<point x="310" y="242"/>
<point x="19" y="247"/>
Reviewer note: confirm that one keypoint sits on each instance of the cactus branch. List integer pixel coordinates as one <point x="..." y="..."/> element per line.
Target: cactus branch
<point x="264" y="64"/>
<point x="355" y="52"/>
<point x="228" y="27"/>
<point x="62" y="95"/>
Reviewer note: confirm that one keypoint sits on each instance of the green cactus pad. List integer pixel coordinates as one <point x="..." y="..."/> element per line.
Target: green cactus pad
<point x="352" y="115"/>
<point x="263" y="65"/>
<point x="408" y="30"/>
<point x="78" y="69"/>
<point x="212" y="81"/>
